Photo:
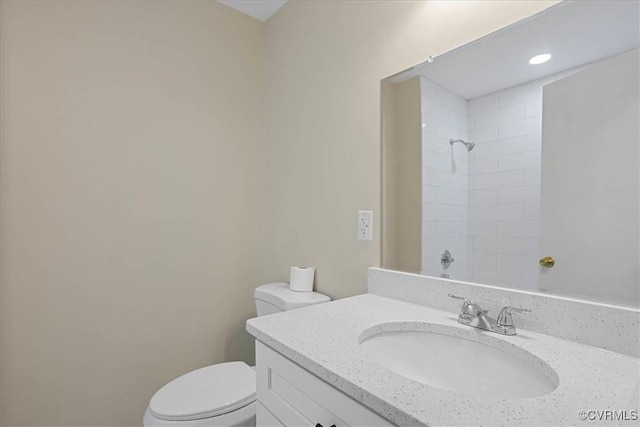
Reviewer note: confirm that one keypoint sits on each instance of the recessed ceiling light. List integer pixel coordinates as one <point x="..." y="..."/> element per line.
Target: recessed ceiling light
<point x="540" y="59"/>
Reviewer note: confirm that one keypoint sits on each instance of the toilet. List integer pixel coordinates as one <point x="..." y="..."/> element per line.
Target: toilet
<point x="223" y="394"/>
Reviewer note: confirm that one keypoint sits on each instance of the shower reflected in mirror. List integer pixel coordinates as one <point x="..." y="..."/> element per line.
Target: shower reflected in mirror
<point x="469" y="145"/>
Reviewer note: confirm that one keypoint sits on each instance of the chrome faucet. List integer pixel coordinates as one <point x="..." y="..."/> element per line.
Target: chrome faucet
<point x="473" y="315"/>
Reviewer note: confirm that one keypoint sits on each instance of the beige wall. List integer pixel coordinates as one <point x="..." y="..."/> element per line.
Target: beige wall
<point x="132" y="185"/>
<point x="401" y="122"/>
<point x="325" y="60"/>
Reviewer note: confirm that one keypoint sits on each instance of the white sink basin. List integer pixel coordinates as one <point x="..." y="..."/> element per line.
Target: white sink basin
<point x="469" y="362"/>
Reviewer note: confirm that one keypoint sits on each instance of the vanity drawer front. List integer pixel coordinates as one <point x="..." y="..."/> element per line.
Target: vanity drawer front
<point x="298" y="398"/>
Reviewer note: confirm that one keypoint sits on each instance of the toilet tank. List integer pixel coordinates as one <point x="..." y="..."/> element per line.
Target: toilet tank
<point x="276" y="297"/>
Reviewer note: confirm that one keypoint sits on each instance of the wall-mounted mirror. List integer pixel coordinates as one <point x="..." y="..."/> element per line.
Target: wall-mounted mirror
<point x="513" y="160"/>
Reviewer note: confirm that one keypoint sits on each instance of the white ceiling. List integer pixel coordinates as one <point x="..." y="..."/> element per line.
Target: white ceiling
<point x="259" y="9"/>
<point x="576" y="33"/>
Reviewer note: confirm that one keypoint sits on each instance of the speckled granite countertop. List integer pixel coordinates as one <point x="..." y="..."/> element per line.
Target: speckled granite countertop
<point x="324" y="339"/>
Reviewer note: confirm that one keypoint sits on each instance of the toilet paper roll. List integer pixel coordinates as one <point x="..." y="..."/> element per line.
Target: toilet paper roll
<point x="301" y="279"/>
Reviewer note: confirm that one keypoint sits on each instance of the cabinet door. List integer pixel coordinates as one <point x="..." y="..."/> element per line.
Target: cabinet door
<point x="295" y="397"/>
<point x="264" y="418"/>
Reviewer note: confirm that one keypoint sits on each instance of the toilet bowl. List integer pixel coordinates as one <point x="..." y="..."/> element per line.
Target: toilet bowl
<point x="223" y="394"/>
<point x="216" y="395"/>
<point x="244" y="417"/>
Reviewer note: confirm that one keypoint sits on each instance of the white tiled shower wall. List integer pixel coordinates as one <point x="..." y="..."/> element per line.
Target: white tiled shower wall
<point x="486" y="211"/>
<point x="445" y="180"/>
<point x="504" y="186"/>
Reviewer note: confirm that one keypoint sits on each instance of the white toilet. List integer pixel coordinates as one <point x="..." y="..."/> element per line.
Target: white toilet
<point x="223" y="394"/>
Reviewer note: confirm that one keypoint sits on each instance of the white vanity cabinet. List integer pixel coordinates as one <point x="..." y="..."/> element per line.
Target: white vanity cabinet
<point x="288" y="395"/>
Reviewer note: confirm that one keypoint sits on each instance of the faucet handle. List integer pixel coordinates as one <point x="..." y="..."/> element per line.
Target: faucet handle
<point x="505" y="318"/>
<point x="469" y="308"/>
<point x="465" y="304"/>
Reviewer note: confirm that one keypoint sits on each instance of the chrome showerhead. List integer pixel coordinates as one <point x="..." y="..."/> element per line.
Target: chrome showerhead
<point x="469" y="145"/>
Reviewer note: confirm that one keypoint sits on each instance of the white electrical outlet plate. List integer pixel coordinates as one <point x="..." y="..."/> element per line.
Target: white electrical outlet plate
<point x="365" y="222"/>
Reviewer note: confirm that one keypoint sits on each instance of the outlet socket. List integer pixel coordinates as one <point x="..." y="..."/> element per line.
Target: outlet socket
<point x="365" y="223"/>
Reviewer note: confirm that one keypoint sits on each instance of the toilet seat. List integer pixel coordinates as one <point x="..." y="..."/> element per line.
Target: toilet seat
<point x="206" y="392"/>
